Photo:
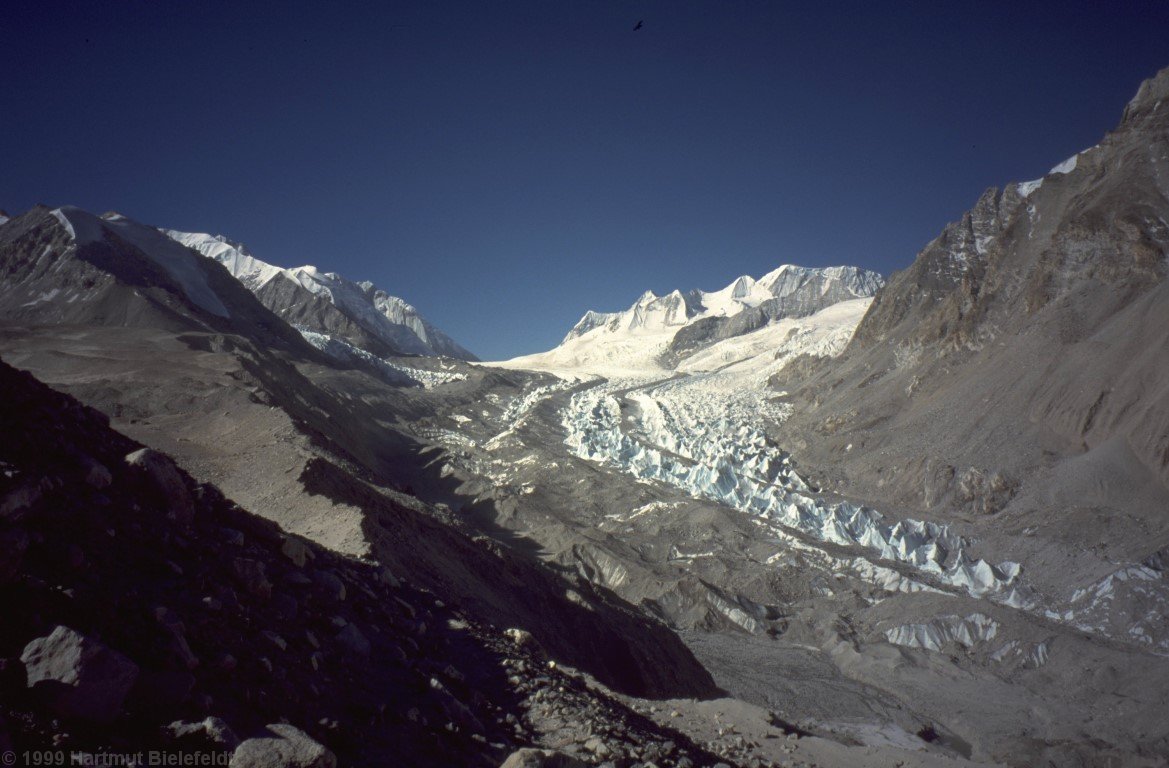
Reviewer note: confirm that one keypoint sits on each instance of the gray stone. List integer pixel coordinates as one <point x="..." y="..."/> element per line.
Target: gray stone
<point x="295" y="550"/>
<point x="331" y="584"/>
<point x="211" y="731"/>
<point x="283" y="747"/>
<point x="353" y="641"/>
<point x="540" y="758"/>
<point x="598" y="747"/>
<point x="165" y="476"/>
<point x="96" y="475"/>
<point x="79" y="677"/>
<point x="524" y="639"/>
<point x="388" y="578"/>
<point x="251" y="576"/>
<point x="19" y="500"/>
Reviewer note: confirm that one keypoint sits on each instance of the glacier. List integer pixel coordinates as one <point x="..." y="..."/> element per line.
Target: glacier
<point x="721" y="455"/>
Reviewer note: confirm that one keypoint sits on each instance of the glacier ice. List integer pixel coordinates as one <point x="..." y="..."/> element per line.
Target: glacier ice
<point x="933" y="635"/>
<point x="711" y="448"/>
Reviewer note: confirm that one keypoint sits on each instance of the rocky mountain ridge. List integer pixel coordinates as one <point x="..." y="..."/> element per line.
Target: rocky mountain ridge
<point x="1060" y="280"/>
<point x="327" y="303"/>
<point x="662" y="331"/>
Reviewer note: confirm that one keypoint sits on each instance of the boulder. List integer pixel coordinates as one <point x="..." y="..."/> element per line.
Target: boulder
<point x="166" y="478"/>
<point x="354" y="642"/>
<point x="210" y="732"/>
<point x="331" y="584"/>
<point x="252" y="576"/>
<point x="96" y="474"/>
<point x="18" y="501"/>
<point x="295" y="550"/>
<point x="282" y="747"/>
<point x="79" y="677"/>
<point x="388" y="578"/>
<point x="524" y="639"/>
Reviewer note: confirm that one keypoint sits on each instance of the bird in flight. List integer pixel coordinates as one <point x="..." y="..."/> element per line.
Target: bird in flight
<point x="637" y="27"/>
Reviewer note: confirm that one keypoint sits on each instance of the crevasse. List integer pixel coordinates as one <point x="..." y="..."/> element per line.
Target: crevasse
<point x="719" y="455"/>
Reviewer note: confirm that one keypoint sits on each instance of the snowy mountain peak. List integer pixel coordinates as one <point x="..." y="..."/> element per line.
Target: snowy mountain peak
<point x="360" y="312"/>
<point x="660" y="331"/>
<point x="741" y="288"/>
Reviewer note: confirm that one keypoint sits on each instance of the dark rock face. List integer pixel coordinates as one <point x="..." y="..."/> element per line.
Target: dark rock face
<point x="1093" y="227"/>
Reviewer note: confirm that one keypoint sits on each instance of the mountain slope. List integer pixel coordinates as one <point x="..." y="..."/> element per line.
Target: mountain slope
<point x="1016" y="368"/>
<point x="325" y="302"/>
<point x="67" y="266"/>
<point x="205" y="610"/>
<point x="245" y="400"/>
<point x="660" y="332"/>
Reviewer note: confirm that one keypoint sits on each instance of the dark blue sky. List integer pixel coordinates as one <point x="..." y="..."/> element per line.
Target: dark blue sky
<point x="506" y="166"/>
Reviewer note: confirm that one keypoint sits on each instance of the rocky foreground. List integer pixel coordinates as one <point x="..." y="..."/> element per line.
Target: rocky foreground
<point x="144" y="611"/>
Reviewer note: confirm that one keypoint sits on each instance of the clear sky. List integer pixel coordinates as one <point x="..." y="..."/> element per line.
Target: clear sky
<point x="505" y="166"/>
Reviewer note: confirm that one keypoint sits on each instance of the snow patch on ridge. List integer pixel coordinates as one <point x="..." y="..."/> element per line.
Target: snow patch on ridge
<point x="1027" y="187"/>
<point x="1067" y="166"/>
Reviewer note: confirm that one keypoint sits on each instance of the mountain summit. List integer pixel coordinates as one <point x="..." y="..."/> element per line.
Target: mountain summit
<point x="661" y="331"/>
<point x="328" y="303"/>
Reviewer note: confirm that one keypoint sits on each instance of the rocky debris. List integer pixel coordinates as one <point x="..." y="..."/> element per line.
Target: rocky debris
<point x="973" y="490"/>
<point x="228" y="633"/>
<point x="568" y="712"/>
<point x="209" y="732"/>
<point x="283" y="747"/>
<point x="388" y="578"/>
<point x="165" y="475"/>
<point x="524" y="639"/>
<point x="985" y="492"/>
<point x="540" y="758"/>
<point x="77" y="676"/>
